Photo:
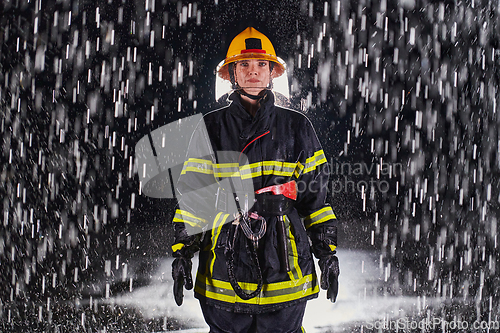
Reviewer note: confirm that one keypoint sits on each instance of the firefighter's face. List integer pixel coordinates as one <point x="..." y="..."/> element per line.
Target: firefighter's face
<point x="252" y="75"/>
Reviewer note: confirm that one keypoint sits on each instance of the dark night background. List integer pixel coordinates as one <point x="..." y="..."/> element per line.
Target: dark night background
<point x="411" y="84"/>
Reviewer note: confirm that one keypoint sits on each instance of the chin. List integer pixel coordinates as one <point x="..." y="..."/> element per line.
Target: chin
<point x="255" y="91"/>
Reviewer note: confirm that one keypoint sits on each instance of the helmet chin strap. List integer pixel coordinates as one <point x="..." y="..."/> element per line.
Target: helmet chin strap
<point x="238" y="89"/>
<point x="254" y="97"/>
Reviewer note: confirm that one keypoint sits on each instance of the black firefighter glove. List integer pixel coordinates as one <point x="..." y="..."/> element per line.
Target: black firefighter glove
<point x="330" y="276"/>
<point x="181" y="272"/>
<point x="183" y="252"/>
<point x="324" y="242"/>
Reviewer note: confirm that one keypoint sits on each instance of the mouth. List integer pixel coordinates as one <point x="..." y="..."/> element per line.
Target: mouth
<point x="253" y="80"/>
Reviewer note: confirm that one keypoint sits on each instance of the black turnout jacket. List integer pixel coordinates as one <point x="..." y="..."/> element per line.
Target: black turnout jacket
<point x="273" y="147"/>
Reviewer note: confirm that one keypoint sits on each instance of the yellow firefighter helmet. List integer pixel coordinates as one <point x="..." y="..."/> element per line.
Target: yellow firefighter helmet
<point x="250" y="44"/>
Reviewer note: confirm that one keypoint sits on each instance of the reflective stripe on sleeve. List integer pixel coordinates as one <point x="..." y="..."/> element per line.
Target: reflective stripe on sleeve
<point x="177" y="247"/>
<point x="319" y="216"/>
<point x="182" y="216"/>
<point x="314" y="161"/>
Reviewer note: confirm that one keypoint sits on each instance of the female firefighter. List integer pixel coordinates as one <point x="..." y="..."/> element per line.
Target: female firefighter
<point x="256" y="269"/>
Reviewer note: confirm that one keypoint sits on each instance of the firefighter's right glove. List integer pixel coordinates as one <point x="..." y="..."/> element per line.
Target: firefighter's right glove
<point x="181" y="273"/>
<point x="183" y="251"/>
<point x="330" y="276"/>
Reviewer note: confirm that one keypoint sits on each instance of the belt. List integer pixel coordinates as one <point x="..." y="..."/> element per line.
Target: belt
<point x="276" y="199"/>
<point x="267" y="204"/>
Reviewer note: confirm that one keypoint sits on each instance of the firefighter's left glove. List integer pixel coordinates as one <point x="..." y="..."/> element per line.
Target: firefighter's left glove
<point x="330" y="276"/>
<point x="324" y="243"/>
<point x="181" y="273"/>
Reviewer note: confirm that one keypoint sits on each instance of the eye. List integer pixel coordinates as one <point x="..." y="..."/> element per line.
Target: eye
<point x="262" y="64"/>
<point x="243" y="64"/>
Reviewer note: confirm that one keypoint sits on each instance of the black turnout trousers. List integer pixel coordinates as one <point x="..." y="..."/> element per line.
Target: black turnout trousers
<point x="284" y="320"/>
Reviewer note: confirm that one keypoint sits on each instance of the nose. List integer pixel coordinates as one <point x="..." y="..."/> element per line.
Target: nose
<point x="252" y="69"/>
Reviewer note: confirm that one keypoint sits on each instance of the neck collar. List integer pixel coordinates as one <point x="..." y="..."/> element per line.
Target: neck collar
<point x="253" y="97"/>
<point x="266" y="103"/>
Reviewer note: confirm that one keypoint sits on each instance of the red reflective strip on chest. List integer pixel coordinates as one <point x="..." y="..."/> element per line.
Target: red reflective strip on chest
<point x="260" y="136"/>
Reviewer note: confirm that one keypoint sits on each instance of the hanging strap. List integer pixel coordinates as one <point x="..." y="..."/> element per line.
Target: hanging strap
<point x="230" y="267"/>
<point x="243" y="220"/>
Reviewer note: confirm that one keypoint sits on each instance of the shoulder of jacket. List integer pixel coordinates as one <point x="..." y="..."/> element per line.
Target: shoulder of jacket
<point x="294" y="115"/>
<point x="216" y="113"/>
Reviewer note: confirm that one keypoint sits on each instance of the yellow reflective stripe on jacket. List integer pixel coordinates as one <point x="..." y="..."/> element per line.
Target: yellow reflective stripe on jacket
<point x="197" y="165"/>
<point x="314" y="161"/>
<point x="295" y="272"/>
<point x="271" y="293"/>
<point x="223" y="170"/>
<point x="215" y="235"/>
<point x="182" y="216"/>
<point x="265" y="168"/>
<point x="319" y="216"/>
<point x="248" y="171"/>
<point x="177" y="247"/>
<point x="298" y="170"/>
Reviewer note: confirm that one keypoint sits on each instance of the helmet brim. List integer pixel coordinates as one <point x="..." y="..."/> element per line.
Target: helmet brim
<point x="278" y="70"/>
